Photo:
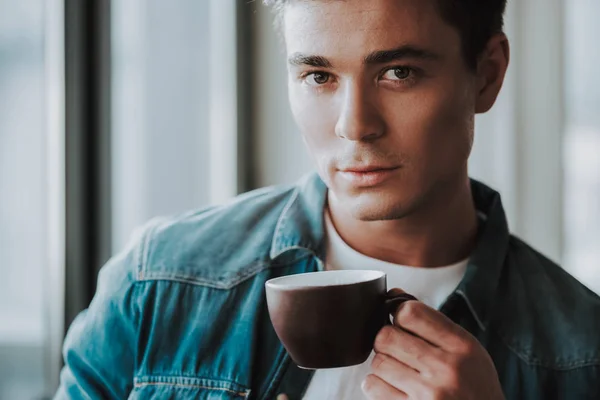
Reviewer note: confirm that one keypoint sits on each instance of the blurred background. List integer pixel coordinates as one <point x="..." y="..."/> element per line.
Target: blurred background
<point x="112" y="112"/>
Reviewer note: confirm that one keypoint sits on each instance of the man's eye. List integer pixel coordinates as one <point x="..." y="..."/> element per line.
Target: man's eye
<point x="317" y="78"/>
<point x="398" y="74"/>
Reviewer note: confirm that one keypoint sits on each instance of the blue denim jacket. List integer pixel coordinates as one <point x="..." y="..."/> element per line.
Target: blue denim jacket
<point x="181" y="313"/>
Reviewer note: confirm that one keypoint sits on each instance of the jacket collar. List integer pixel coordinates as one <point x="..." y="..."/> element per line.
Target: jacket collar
<point x="300" y="227"/>
<point x="480" y="283"/>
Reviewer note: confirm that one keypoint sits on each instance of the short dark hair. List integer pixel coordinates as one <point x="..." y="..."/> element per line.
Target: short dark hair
<point x="476" y="21"/>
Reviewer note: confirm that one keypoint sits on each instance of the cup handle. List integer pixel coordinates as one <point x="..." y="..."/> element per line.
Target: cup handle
<point x="392" y="302"/>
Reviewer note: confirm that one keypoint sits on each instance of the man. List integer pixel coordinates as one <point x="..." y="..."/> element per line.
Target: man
<point x="384" y="93"/>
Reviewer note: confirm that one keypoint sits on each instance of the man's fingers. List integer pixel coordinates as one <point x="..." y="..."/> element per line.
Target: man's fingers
<point x="395" y="292"/>
<point x="397" y="374"/>
<point x="432" y="326"/>
<point x="406" y="348"/>
<point x="377" y="389"/>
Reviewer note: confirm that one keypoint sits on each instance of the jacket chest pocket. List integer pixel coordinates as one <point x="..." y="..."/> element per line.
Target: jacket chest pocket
<point x="175" y="388"/>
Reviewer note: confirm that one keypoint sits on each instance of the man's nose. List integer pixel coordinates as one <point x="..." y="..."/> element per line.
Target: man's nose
<point x="359" y="118"/>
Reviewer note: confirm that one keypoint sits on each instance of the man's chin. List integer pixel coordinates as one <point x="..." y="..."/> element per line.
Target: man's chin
<point x="374" y="208"/>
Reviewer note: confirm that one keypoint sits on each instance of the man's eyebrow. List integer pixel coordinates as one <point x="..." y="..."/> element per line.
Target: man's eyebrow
<point x="299" y="59"/>
<point x="400" y="53"/>
<point x="376" y="57"/>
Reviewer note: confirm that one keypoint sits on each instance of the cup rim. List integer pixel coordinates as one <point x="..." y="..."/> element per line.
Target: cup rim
<point x="278" y="283"/>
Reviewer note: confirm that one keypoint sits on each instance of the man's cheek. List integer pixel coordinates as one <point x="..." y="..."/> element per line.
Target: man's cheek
<point x="319" y="154"/>
<point x="319" y="133"/>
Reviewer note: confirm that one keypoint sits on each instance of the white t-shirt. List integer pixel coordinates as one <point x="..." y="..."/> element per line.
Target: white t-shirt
<point x="432" y="286"/>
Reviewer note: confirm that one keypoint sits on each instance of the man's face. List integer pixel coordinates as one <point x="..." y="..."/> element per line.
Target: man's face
<point x="383" y="98"/>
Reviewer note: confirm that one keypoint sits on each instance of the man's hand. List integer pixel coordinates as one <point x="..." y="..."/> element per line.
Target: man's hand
<point x="424" y="355"/>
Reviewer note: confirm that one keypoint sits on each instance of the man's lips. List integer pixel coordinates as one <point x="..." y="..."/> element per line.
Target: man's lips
<point x="365" y="176"/>
<point x="367" y="169"/>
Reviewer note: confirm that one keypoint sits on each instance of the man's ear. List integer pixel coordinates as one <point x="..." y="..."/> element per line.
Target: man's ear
<point x="491" y="69"/>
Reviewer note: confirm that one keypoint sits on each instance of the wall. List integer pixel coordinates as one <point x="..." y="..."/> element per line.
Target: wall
<point x="280" y="153"/>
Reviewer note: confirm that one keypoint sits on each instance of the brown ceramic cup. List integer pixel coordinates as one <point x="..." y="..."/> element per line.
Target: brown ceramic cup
<point x="330" y="319"/>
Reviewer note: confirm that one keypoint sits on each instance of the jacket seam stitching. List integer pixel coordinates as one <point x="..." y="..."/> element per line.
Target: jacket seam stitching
<point x="208" y="283"/>
<point x="471" y="309"/>
<point x="195" y="382"/>
<point x="595" y="362"/>
<point x="191" y="385"/>
<point x="277" y="375"/>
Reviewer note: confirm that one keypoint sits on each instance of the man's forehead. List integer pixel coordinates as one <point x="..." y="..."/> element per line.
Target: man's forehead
<point x="322" y="16"/>
<point x="335" y="27"/>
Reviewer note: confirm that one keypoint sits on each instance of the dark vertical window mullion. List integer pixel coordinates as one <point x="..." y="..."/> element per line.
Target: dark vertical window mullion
<point x="102" y="146"/>
<point x="87" y="73"/>
<point x="245" y="20"/>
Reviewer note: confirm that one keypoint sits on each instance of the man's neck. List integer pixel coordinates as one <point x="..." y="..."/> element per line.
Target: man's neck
<point x="440" y="233"/>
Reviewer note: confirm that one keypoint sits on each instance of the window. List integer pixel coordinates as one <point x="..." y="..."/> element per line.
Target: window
<point x="160" y="102"/>
<point x="582" y="141"/>
<point x="23" y="199"/>
<point x="174" y="108"/>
